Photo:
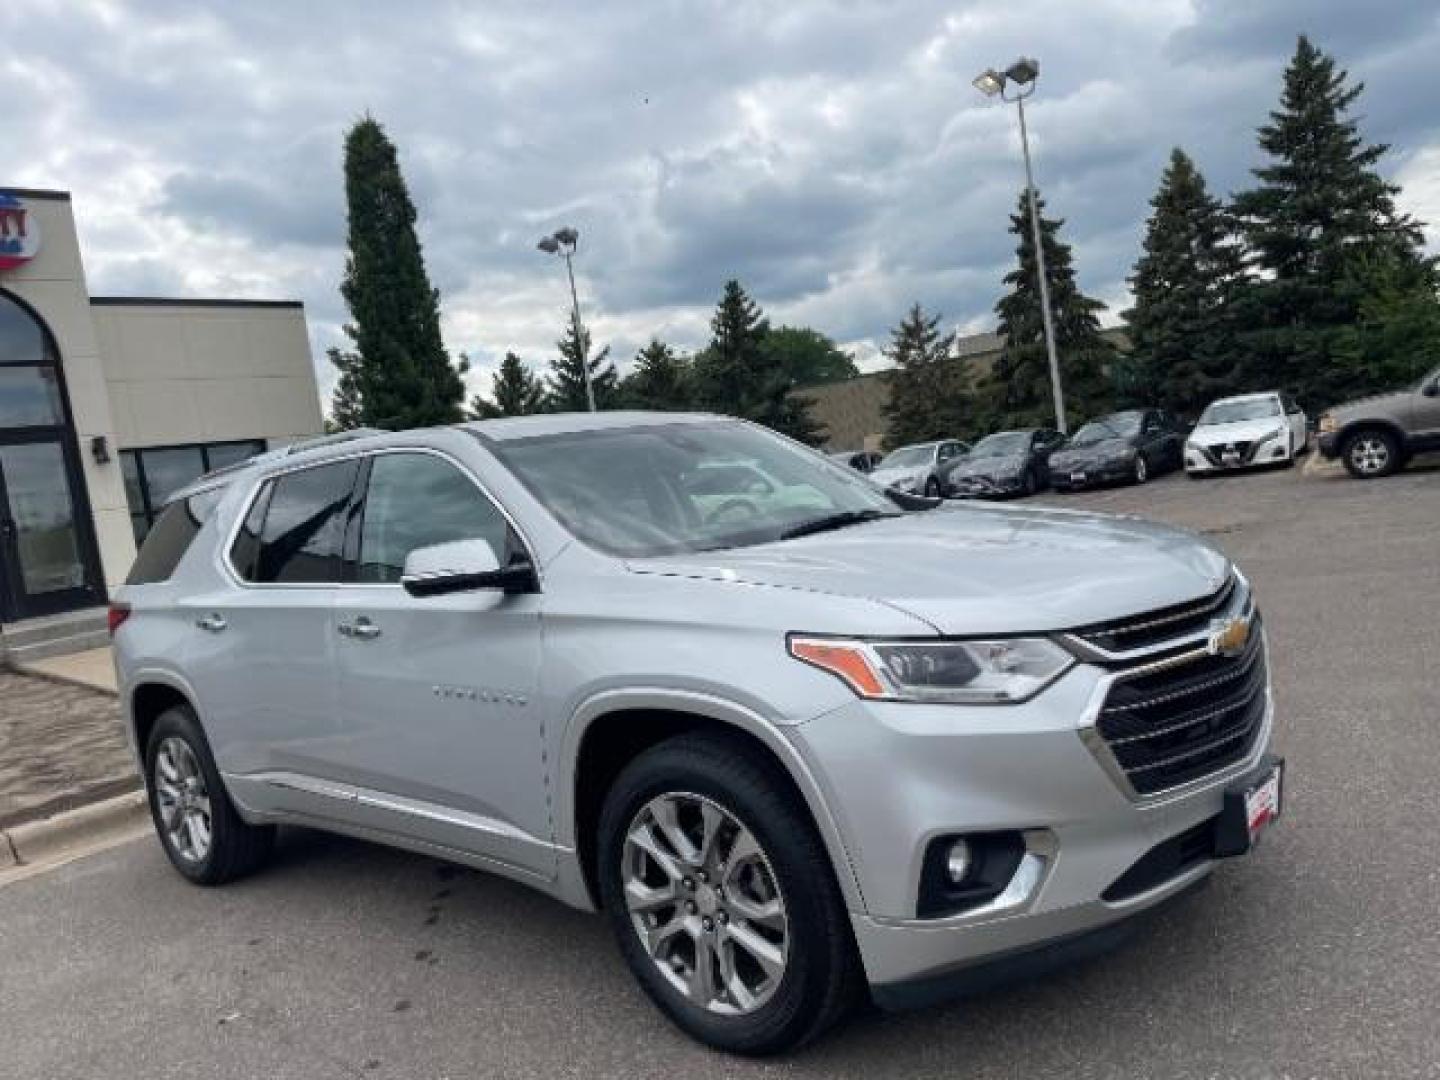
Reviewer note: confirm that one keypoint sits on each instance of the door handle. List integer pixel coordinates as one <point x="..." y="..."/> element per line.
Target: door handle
<point x="214" y="622"/>
<point x="362" y="628"/>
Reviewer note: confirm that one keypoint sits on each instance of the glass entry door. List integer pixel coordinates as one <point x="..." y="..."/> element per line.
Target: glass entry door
<point x="47" y="550"/>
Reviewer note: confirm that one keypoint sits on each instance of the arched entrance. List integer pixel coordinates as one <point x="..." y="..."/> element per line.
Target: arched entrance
<point x="47" y="551"/>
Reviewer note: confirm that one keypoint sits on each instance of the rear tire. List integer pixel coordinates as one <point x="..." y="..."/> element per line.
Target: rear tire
<point x="198" y="826"/>
<point x="699" y="878"/>
<point x="1370" y="453"/>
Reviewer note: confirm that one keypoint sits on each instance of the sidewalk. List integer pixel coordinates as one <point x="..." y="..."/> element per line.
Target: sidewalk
<point x="61" y="745"/>
<point x="93" y="668"/>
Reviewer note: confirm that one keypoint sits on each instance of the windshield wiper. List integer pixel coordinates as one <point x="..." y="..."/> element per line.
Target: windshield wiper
<point x="834" y="521"/>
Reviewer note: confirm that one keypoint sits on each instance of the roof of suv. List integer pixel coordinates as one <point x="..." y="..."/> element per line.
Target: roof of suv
<point x="524" y="427"/>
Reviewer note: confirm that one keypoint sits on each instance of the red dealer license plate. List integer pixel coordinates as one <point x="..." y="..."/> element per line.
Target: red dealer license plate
<point x="1262" y="803"/>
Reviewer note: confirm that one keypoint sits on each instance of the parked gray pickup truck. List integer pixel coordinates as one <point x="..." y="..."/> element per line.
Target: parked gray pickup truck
<point x="1374" y="436"/>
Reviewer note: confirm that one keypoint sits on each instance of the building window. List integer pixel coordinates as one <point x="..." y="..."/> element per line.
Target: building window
<point x="154" y="474"/>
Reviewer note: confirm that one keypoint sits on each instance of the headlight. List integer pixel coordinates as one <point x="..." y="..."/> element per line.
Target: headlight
<point x="995" y="672"/>
<point x="1327" y="423"/>
<point x="1270" y="436"/>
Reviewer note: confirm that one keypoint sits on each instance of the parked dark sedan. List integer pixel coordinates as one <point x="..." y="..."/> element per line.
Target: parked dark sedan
<point x="1124" y="447"/>
<point x="1005" y="463"/>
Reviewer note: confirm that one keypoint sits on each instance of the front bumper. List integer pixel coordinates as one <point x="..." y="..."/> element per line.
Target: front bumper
<point x="1213" y="459"/>
<point x="1065" y="477"/>
<point x="1330" y="445"/>
<point x="955" y="770"/>
<point x="984" y="487"/>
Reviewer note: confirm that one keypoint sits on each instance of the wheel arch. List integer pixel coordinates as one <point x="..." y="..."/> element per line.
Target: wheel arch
<point x="148" y="695"/>
<point x="1373" y="423"/>
<point x="612" y="729"/>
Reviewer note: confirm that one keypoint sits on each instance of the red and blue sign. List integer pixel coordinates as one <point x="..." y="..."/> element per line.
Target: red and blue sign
<point x="19" y="233"/>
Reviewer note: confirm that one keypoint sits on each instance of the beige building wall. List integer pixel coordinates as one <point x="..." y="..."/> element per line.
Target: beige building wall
<point x="206" y="371"/>
<point x="53" y="283"/>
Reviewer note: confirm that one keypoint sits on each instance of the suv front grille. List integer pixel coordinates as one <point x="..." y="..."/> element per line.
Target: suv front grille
<point x="1155" y="627"/>
<point x="1169" y="726"/>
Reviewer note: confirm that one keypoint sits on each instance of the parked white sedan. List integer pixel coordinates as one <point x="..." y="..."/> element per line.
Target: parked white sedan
<point x="1249" y="429"/>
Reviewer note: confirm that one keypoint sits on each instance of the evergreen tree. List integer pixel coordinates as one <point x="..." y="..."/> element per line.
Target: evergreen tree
<point x="346" y="411"/>
<point x="514" y="391"/>
<point x="401" y="374"/>
<point x="1183" y="334"/>
<point x="659" y="380"/>
<point x="565" y="388"/>
<point x="930" y="394"/>
<point x="1320" y="219"/>
<point x="734" y="375"/>
<point x="1017" y="390"/>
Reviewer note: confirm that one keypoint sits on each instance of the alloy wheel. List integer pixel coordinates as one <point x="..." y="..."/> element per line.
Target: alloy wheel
<point x="183" y="800"/>
<point x="1370" y="454"/>
<point x="1142" y="471"/>
<point x="705" y="903"/>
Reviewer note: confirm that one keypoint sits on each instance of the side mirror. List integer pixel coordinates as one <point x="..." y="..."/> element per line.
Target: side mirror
<point x="463" y="566"/>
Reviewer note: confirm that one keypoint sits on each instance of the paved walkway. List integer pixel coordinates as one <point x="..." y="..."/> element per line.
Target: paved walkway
<point x="61" y="746"/>
<point x="93" y="667"/>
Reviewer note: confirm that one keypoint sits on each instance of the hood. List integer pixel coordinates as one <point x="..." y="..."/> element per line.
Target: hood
<point x="980" y="570"/>
<point x="886" y="477"/>
<point x="1006" y="465"/>
<point x="1241" y="431"/>
<point x="1390" y="398"/>
<point x="1104" y="450"/>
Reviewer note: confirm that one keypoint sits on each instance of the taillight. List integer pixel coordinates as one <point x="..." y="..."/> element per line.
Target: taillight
<point x="116" y="616"/>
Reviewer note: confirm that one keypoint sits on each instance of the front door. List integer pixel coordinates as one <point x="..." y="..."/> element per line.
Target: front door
<point x="438" y="695"/>
<point x="47" y="552"/>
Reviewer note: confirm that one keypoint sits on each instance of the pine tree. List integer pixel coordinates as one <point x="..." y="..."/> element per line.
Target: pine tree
<point x="734" y="375"/>
<point x="514" y="391"/>
<point x="346" y="411"/>
<point x="1183" y="333"/>
<point x="1319" y="217"/>
<point x="402" y="376"/>
<point x="930" y="391"/>
<point x="1017" y="391"/>
<point x="659" y="380"/>
<point x="565" y="387"/>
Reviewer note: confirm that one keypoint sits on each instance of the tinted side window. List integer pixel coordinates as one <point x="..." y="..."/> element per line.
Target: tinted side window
<point x="416" y="500"/>
<point x="173" y="533"/>
<point x="245" y="551"/>
<point x="302" y="540"/>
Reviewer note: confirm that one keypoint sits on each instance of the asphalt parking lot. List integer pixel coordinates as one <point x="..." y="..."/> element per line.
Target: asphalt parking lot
<point x="1318" y="957"/>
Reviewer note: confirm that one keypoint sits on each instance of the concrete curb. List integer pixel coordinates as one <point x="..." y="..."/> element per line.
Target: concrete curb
<point x="21" y="667"/>
<point x="58" y="839"/>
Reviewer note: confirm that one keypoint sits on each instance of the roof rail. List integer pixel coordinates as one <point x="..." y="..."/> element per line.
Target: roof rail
<point x="331" y="440"/>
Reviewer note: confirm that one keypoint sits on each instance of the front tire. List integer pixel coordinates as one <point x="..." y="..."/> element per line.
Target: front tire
<point x="1371" y="453"/>
<point x="932" y="488"/>
<point x="199" y="828"/>
<point x="722" y="897"/>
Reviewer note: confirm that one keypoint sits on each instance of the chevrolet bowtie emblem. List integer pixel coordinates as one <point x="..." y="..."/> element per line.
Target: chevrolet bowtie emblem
<point x="1228" y="637"/>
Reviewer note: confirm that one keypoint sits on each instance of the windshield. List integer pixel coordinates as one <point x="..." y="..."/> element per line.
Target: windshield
<point x="1233" y="412"/>
<point x="907" y="456"/>
<point x="1119" y="426"/>
<point x="675" y="488"/>
<point x="1002" y="444"/>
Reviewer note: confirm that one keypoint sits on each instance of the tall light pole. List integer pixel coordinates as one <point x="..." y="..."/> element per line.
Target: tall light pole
<point x="1022" y="75"/>
<point x="563" y="242"/>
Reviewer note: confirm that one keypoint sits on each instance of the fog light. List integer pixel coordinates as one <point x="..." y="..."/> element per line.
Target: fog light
<point x="958" y="861"/>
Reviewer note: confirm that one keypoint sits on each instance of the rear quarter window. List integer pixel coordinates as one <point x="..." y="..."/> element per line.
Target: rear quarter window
<point x="171" y="536"/>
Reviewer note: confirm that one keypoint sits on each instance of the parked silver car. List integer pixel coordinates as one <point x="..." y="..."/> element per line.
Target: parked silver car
<point x="1376" y="435"/>
<point x="826" y="746"/>
<point x="919" y="469"/>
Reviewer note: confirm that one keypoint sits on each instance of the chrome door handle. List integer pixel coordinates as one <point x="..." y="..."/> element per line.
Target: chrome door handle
<point x="214" y="622"/>
<point x="361" y="628"/>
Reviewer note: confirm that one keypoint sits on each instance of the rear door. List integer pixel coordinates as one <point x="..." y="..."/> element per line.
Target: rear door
<point x="1424" y="419"/>
<point x="262" y="653"/>
<point x="443" y="732"/>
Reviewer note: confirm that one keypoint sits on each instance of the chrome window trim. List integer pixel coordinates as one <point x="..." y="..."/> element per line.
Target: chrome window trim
<point x="230" y="573"/>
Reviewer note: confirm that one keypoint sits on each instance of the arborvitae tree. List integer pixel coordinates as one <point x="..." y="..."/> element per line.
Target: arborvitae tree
<point x="659" y="380"/>
<point x="734" y="375"/>
<point x="514" y="391"/>
<point x="1320" y="216"/>
<point x="1017" y="391"/>
<point x="930" y="391"/>
<point x="565" y="388"/>
<point x="346" y="411"/>
<point x="1182" y="327"/>
<point x="402" y="375"/>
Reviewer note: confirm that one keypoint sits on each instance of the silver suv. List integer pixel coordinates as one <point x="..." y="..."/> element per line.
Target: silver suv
<point x="1374" y="436"/>
<point x="846" y="740"/>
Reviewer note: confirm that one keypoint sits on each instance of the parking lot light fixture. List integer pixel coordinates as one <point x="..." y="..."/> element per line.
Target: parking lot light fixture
<point x="563" y="242"/>
<point x="1019" y="79"/>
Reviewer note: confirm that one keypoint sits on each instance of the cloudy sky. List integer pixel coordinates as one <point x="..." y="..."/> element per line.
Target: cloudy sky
<point x="831" y="154"/>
